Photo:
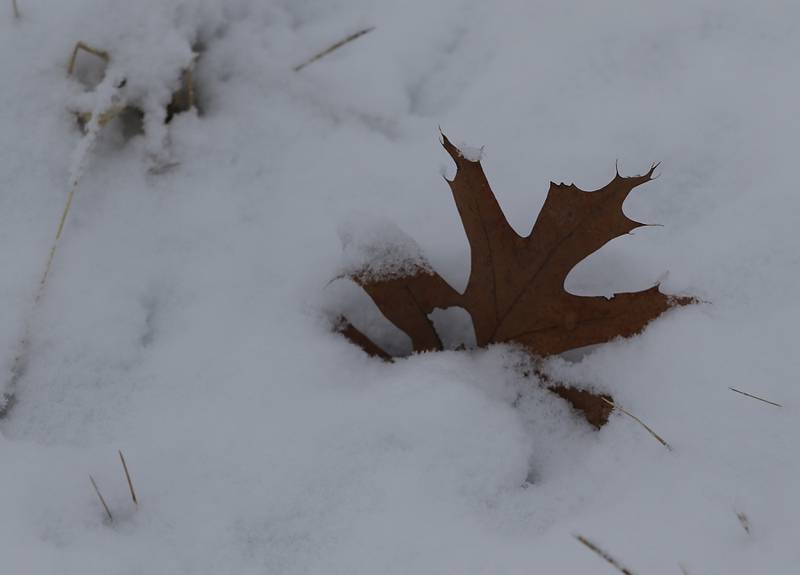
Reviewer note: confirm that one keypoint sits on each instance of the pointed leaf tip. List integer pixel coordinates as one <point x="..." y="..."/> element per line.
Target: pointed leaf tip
<point x="635" y="225"/>
<point x="640" y="179"/>
<point x="452" y="149"/>
<point x="461" y="155"/>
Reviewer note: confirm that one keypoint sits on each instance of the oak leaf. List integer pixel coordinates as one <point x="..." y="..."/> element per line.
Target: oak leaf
<point x="515" y="292"/>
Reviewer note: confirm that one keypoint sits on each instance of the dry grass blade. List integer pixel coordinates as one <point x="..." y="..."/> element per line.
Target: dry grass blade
<point x="103" y="501"/>
<point x="19" y="365"/>
<point x="605" y="555"/>
<point x="128" y="477"/>
<point x="640" y="422"/>
<point x="54" y="247"/>
<point x="755" y="397"/>
<point x="86" y="48"/>
<point x="744" y="521"/>
<point x="18" y="368"/>
<point x="333" y="48"/>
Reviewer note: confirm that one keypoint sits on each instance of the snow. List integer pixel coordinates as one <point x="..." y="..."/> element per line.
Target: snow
<point x="376" y="248"/>
<point x="470" y="153"/>
<point x="186" y="317"/>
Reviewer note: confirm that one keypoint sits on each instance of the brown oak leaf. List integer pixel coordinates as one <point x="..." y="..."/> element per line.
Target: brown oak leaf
<point x="515" y="293"/>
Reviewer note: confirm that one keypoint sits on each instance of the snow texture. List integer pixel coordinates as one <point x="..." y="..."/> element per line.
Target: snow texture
<point x="471" y="153"/>
<point x="185" y="319"/>
<point x="375" y="248"/>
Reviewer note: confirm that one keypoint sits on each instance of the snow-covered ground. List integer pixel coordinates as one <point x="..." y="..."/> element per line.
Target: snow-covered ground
<point x="186" y="319"/>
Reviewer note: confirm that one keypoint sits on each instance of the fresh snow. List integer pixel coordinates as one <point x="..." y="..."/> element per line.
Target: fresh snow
<point x="187" y="319"/>
<point x="376" y="248"/>
<point x="471" y="153"/>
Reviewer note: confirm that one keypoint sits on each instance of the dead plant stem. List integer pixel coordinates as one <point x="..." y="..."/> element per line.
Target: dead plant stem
<point x="100" y="495"/>
<point x="755" y="397"/>
<point x="605" y="555"/>
<point x="128" y="477"/>
<point x="640" y="422"/>
<point x="333" y="48"/>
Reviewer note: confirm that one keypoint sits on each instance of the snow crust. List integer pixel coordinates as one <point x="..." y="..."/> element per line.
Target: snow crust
<point x="185" y="316"/>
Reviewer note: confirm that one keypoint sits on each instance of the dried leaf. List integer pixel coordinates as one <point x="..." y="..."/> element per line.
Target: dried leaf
<point x="354" y="336"/>
<point x="515" y="293"/>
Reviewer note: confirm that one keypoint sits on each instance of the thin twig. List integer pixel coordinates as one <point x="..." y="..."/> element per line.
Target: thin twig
<point x="755" y="397"/>
<point x="333" y="48"/>
<point x="640" y="422"/>
<point x="683" y="568"/>
<point x="604" y="554"/>
<point x="16" y="8"/>
<point x="103" y="501"/>
<point x="128" y="477"/>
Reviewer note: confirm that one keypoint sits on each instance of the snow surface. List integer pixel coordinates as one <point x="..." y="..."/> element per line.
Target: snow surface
<point x="375" y="248"/>
<point x="186" y="320"/>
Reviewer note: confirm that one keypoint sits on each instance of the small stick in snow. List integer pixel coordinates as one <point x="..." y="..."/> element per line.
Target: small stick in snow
<point x="16" y="8"/>
<point x="333" y="47"/>
<point x="604" y="554"/>
<point x="103" y="501"/>
<point x="640" y="422"/>
<point x="755" y="397"/>
<point x="684" y="570"/>
<point x="744" y="520"/>
<point x="128" y="477"/>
